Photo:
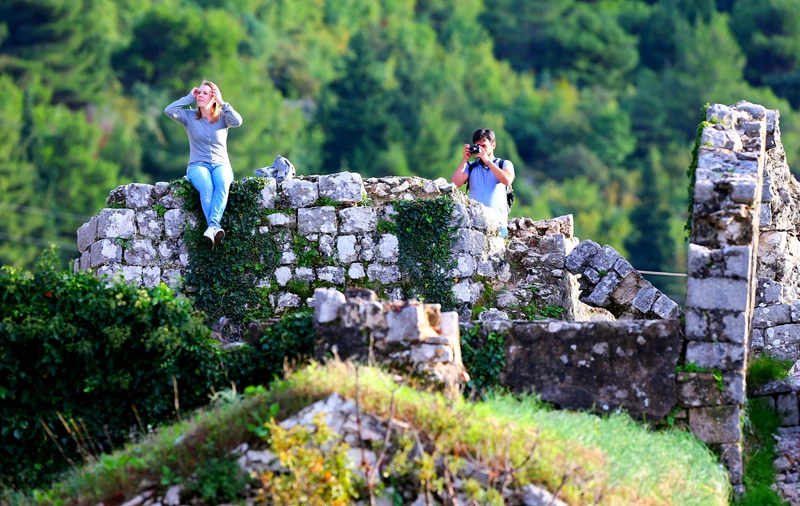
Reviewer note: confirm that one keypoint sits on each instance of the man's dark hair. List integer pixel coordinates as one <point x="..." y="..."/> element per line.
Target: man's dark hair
<point x="483" y="133"/>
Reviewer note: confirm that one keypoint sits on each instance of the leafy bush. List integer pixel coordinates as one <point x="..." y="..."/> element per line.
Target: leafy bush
<point x="291" y="339"/>
<point x="105" y="358"/>
<point x="483" y="357"/>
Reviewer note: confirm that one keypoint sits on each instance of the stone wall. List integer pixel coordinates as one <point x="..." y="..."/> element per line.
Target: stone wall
<point x="139" y="238"/>
<point x="776" y="321"/>
<point x="405" y="336"/>
<point x="721" y="285"/>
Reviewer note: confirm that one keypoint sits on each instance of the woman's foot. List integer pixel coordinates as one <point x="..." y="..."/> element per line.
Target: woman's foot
<point x="219" y="235"/>
<point x="210" y="233"/>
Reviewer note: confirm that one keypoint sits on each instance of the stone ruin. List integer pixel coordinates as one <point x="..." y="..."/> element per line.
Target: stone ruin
<point x="620" y="343"/>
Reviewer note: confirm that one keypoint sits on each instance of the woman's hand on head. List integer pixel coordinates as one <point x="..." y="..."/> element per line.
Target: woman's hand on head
<point x="194" y="91"/>
<point x="218" y="96"/>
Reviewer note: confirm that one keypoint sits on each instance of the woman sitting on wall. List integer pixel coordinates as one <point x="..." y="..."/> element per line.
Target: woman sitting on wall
<point x="209" y="169"/>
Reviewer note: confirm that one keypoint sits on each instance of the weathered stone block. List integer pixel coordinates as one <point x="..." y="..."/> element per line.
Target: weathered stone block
<point x="113" y="223"/>
<point x="597" y="365"/>
<point x="298" y="193"/>
<point x="717" y="293"/>
<point x="317" y="220"/>
<point x="149" y="223"/>
<point x="386" y="274"/>
<point x="151" y="276"/>
<point x="664" y="307"/>
<point x="601" y="295"/>
<point x="139" y="195"/>
<point x="718" y="424"/>
<point x="268" y="193"/>
<point x="87" y="234"/>
<point x="431" y="353"/>
<point x="470" y="241"/>
<point x="770" y="316"/>
<point x="357" y="220"/>
<point x="346" y="248"/>
<point x="356" y="271"/>
<point x="174" y="222"/>
<point x="645" y="298"/>
<point x="787" y="409"/>
<point x="283" y="275"/>
<point x="342" y="187"/>
<point x="703" y="389"/>
<point x="140" y="252"/>
<point x="327" y="304"/>
<point x="282" y="220"/>
<point x="331" y="274"/>
<point x="132" y="275"/>
<point x="731" y="458"/>
<point x="580" y="257"/>
<point x="105" y="252"/>
<point x="388" y="248"/>
<point x="723" y="356"/>
<point x="737" y="261"/>
<point x="409" y="325"/>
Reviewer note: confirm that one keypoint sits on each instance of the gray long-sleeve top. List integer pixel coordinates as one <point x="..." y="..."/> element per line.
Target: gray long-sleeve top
<point x="208" y="142"/>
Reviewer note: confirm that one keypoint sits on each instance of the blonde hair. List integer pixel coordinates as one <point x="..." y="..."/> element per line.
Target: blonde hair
<point x="215" y="107"/>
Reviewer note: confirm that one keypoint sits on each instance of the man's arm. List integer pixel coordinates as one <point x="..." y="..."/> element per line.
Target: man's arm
<point x="505" y="174"/>
<point x="461" y="175"/>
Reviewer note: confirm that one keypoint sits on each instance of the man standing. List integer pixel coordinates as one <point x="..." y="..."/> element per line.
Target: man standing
<point x="488" y="177"/>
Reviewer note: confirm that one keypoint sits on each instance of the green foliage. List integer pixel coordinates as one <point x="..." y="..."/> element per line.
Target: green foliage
<point x="71" y="345"/>
<point x="764" y="368"/>
<point x="306" y="252"/>
<point x="217" y="480"/>
<point x="761" y="424"/>
<point x="288" y="342"/>
<point x="425" y="240"/>
<point x="224" y="279"/>
<point x="317" y="465"/>
<point x="386" y="226"/>
<point x="484" y="358"/>
<point x="691" y="172"/>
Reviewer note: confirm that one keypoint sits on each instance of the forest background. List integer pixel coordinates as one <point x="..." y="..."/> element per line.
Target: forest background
<point x="595" y="102"/>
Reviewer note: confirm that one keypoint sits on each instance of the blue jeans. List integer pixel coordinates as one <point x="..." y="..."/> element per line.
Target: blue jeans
<point x="212" y="181"/>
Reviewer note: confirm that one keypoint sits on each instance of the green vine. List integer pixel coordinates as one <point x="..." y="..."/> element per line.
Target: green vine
<point x="224" y="279"/>
<point x="484" y="359"/>
<point x="425" y="241"/>
<point x="691" y="172"/>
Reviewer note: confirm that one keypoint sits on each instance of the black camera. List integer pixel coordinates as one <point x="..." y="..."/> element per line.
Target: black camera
<point x="474" y="148"/>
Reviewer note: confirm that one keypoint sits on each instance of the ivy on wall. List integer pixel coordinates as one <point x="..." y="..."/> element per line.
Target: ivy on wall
<point x="224" y="280"/>
<point x="691" y="172"/>
<point x="425" y="241"/>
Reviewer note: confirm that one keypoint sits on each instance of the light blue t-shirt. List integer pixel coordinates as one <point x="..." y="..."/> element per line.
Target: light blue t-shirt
<point x="485" y="188"/>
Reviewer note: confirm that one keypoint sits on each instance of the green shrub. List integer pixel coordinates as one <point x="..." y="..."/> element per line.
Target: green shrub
<point x="484" y="359"/>
<point x="71" y="345"/>
<point x="765" y="368"/>
<point x="290" y="340"/>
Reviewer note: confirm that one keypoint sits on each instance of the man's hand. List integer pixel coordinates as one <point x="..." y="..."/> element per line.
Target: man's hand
<point x="481" y="154"/>
<point x="467" y="153"/>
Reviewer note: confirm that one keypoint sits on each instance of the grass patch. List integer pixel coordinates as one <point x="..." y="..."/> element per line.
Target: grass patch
<point x="765" y="368"/>
<point x="759" y="448"/>
<point x="590" y="460"/>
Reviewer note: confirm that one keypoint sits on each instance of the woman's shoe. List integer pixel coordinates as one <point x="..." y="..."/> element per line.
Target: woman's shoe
<point x="219" y="235"/>
<point x="210" y="233"/>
